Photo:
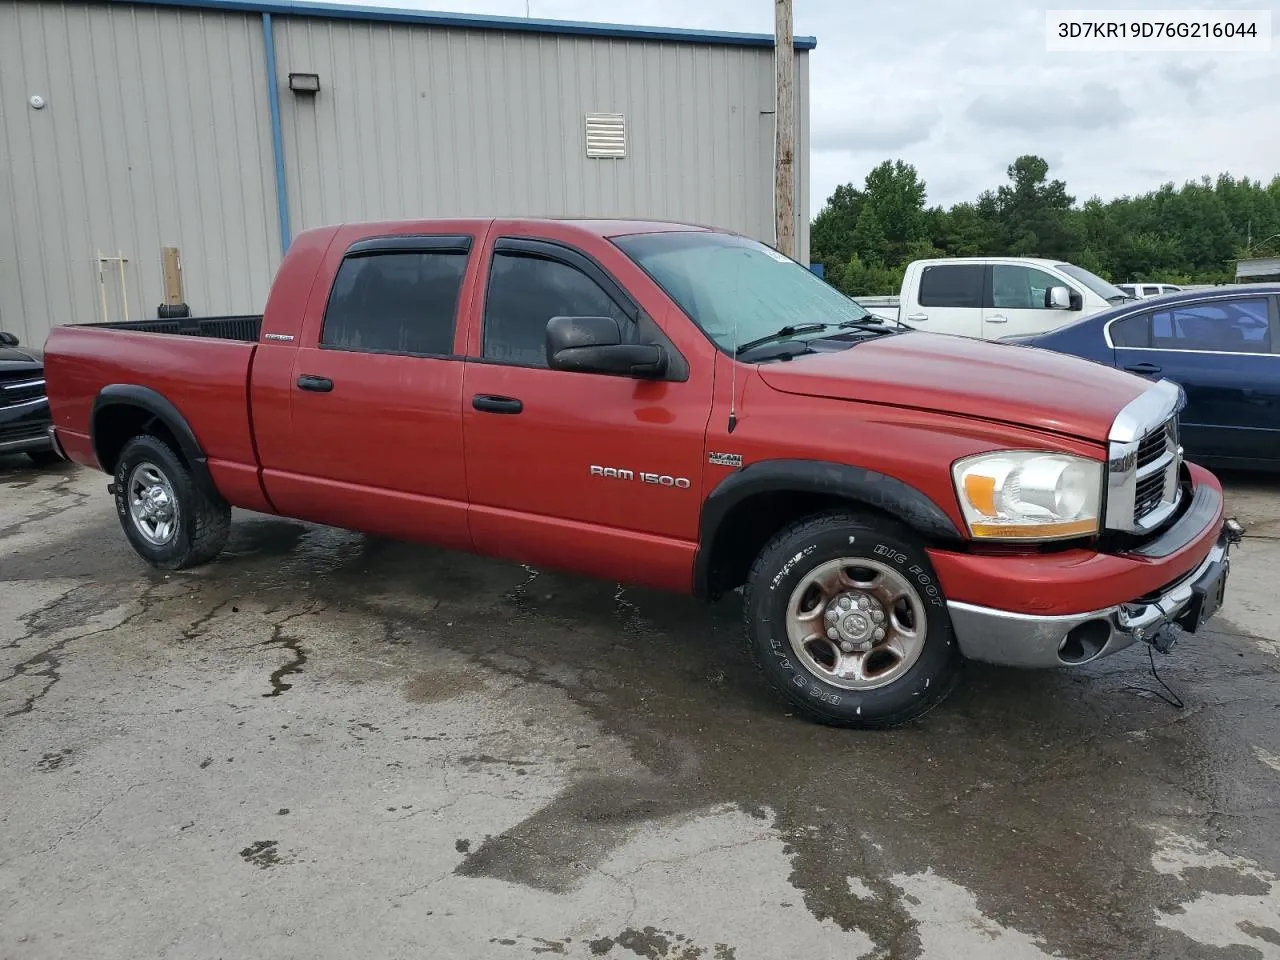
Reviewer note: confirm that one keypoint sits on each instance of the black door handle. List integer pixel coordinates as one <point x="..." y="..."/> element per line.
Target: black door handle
<point x="316" y="384"/>
<point x="491" y="404"/>
<point x="1144" y="368"/>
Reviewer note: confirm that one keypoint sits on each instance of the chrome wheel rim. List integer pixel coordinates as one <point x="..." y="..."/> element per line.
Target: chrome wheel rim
<point x="153" y="508"/>
<point x="857" y="624"/>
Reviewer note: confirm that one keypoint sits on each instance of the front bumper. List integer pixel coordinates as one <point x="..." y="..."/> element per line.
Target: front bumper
<point x="24" y="427"/>
<point x="1026" y="640"/>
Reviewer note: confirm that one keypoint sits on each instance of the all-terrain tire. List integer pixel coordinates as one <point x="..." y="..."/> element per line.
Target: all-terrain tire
<point x="203" y="520"/>
<point x="784" y="565"/>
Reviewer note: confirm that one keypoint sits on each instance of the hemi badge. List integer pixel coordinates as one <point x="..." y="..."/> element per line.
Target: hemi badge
<point x="283" y="337"/>
<point x="726" y="459"/>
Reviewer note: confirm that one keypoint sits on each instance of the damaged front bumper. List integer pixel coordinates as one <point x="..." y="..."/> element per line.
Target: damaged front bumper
<point x="1025" y="640"/>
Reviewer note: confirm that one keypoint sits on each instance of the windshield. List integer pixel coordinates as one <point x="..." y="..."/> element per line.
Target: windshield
<point x="1107" y="291"/>
<point x="735" y="289"/>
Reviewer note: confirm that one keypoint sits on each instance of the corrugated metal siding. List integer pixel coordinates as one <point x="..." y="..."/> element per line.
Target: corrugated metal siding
<point x="155" y="132"/>
<point x="428" y="121"/>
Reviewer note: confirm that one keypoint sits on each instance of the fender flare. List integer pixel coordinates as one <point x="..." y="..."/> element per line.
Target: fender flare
<point x="156" y="404"/>
<point x="888" y="494"/>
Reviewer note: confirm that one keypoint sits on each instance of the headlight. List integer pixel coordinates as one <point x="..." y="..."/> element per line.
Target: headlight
<point x="1023" y="495"/>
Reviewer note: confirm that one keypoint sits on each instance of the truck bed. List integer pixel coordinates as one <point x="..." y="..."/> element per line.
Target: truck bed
<point x="243" y="327"/>
<point x="198" y="367"/>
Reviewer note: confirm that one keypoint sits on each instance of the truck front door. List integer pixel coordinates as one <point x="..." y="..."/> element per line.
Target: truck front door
<point x="580" y="471"/>
<point x="1019" y="303"/>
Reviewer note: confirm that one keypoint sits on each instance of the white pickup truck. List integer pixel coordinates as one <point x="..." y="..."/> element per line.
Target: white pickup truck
<point x="994" y="297"/>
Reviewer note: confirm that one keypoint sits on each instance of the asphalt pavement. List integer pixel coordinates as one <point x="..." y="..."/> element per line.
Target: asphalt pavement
<point x="326" y="745"/>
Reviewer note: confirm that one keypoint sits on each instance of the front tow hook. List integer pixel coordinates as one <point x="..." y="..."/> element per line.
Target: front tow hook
<point x="1165" y="637"/>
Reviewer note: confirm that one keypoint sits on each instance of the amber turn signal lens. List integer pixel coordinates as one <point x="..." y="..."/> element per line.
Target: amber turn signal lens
<point x="1047" y="531"/>
<point x="981" y="491"/>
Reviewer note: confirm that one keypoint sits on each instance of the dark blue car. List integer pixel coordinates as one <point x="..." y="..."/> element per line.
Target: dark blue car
<point x="1222" y="345"/>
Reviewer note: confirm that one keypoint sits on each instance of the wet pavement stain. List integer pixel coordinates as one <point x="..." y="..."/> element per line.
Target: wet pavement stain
<point x="52" y="761"/>
<point x="1266" y="934"/>
<point x="264" y="854"/>
<point x="654" y="944"/>
<point x="444" y="685"/>
<point x="290" y="667"/>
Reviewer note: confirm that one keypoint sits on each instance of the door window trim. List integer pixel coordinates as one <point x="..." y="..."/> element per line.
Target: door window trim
<point x="556" y="251"/>
<point x="1273" y="319"/>
<point x="400" y="243"/>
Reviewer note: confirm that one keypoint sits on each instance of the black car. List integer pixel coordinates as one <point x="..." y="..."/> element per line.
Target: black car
<point x="24" y="405"/>
<point x="1222" y="345"/>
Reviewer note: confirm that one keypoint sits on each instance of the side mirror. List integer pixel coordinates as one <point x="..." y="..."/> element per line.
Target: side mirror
<point x="594" y="345"/>
<point x="8" y="339"/>
<point x="1058" y="298"/>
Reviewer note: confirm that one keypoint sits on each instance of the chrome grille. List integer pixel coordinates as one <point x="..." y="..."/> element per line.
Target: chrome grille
<point x="1156" y="482"/>
<point x="20" y="388"/>
<point x="1144" y="461"/>
<point x="1154" y="445"/>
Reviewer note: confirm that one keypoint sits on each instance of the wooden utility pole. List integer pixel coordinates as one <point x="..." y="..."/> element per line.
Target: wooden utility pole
<point x="784" y="190"/>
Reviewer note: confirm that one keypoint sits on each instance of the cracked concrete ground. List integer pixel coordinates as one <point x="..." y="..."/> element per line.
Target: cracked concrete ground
<point x="325" y="745"/>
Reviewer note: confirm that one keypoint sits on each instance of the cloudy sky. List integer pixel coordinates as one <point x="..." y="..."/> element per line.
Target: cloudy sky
<point x="960" y="89"/>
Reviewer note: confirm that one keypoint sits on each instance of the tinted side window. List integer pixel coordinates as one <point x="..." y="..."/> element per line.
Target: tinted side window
<point x="524" y="293"/>
<point x="1233" y="326"/>
<point x="1132" y="331"/>
<point x="952" y="285"/>
<point x="395" y="303"/>
<point x="1020" y="288"/>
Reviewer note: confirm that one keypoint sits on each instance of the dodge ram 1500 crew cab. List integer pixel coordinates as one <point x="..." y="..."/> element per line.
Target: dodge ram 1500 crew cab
<point x="674" y="407"/>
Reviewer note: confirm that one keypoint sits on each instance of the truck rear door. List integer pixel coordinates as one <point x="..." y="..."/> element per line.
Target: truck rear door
<point x="947" y="299"/>
<point x="375" y="391"/>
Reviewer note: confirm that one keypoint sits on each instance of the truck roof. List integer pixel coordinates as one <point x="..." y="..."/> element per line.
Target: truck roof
<point x="600" y="227"/>
<point x="1036" y="261"/>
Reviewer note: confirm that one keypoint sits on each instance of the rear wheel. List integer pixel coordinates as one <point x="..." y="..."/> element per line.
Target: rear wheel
<point x="169" y="519"/>
<point x="845" y="618"/>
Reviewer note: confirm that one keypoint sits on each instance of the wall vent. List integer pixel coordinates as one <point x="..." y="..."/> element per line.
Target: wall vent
<point x="606" y="136"/>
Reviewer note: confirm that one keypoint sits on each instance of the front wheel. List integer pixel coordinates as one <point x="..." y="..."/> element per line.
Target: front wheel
<point x="168" y="517"/>
<point x="845" y="618"/>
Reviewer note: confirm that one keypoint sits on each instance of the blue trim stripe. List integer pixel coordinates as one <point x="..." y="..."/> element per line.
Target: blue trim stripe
<point x="277" y="135"/>
<point x="303" y="8"/>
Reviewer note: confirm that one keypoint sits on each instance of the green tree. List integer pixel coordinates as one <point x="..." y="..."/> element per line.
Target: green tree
<point x="831" y="233"/>
<point x="1190" y="233"/>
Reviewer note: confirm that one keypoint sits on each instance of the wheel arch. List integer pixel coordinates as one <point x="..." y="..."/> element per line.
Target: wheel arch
<point x="122" y="411"/>
<point x="750" y="505"/>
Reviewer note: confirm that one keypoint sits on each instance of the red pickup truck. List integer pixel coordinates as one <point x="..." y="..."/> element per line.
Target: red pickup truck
<point x="674" y="407"/>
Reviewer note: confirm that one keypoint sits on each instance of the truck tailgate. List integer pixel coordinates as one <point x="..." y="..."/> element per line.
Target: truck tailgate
<point x="205" y="379"/>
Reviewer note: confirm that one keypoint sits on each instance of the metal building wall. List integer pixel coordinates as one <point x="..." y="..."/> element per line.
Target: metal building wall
<point x="155" y="132"/>
<point x="431" y="121"/>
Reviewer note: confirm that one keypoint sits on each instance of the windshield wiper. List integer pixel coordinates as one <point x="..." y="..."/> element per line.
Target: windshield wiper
<point x="782" y="333"/>
<point x="871" y="325"/>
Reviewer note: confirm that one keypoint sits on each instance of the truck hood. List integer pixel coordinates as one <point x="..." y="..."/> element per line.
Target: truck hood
<point x="15" y="355"/>
<point x="972" y="378"/>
